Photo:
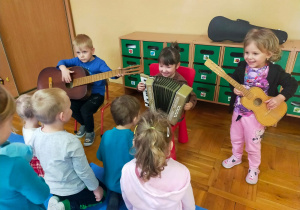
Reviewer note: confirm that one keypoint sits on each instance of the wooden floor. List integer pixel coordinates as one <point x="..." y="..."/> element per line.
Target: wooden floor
<point x="209" y="143"/>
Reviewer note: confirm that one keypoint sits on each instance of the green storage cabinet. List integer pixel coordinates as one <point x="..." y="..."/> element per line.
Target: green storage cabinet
<point x="233" y="56"/>
<point x="294" y="105"/>
<point x="224" y="95"/>
<point x="184" y="51"/>
<point x="131" y="80"/>
<point x="131" y="48"/>
<point x="228" y="71"/>
<point x="297" y="77"/>
<point x="283" y="60"/>
<point x="203" y="52"/>
<point x="152" y="49"/>
<point x="184" y="64"/>
<point x="204" y="74"/>
<point x="147" y="63"/>
<point x="204" y="91"/>
<point x="297" y="64"/>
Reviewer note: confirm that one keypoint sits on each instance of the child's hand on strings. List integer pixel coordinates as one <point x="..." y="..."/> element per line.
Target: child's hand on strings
<point x="119" y="75"/>
<point x="65" y="74"/>
<point x="273" y="102"/>
<point x="141" y="86"/>
<point x="237" y="92"/>
<point x="98" y="193"/>
<point x="188" y="106"/>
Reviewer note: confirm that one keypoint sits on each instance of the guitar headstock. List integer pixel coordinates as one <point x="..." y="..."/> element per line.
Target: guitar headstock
<point x="137" y="69"/>
<point x="214" y="67"/>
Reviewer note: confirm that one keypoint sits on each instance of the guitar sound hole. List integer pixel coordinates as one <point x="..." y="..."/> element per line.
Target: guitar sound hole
<point x="257" y="102"/>
<point x="69" y="85"/>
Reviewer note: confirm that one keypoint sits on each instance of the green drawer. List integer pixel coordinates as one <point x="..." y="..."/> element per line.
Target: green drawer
<point x="296" y="68"/>
<point x="128" y="61"/>
<point x="147" y="65"/>
<point x="131" y="80"/>
<point x="131" y="48"/>
<point x="224" y="95"/>
<point x="184" y="51"/>
<point x="284" y="57"/>
<point x="184" y="64"/>
<point x="204" y="91"/>
<point x="294" y="105"/>
<point x="203" y="52"/>
<point x="223" y="82"/>
<point x="233" y="56"/>
<point x="297" y="77"/>
<point x="204" y="74"/>
<point x="152" y="49"/>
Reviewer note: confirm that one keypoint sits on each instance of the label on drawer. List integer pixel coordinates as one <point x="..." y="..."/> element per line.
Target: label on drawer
<point x="203" y="94"/>
<point x="130" y="51"/>
<point x="132" y="82"/>
<point x="152" y="53"/>
<point x="236" y="60"/>
<point x="229" y="98"/>
<point x="296" y="109"/>
<point x="203" y="76"/>
<point x="205" y="57"/>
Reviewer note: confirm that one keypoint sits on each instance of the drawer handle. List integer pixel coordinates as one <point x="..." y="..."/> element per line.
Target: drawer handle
<point x="295" y="103"/>
<point x="207" y="52"/>
<point x="204" y="89"/>
<point x="236" y="54"/>
<point x="205" y="71"/>
<point x="131" y="46"/>
<point x="153" y="48"/>
<point x="227" y="93"/>
<point x="132" y="78"/>
<point x="131" y="63"/>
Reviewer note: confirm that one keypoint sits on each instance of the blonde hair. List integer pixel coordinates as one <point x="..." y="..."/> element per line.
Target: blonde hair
<point x="47" y="103"/>
<point x="24" y="108"/>
<point x="7" y="105"/>
<point x="82" y="40"/>
<point x="266" y="41"/>
<point x="152" y="144"/>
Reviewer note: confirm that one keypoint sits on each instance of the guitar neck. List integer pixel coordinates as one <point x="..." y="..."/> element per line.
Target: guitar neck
<point x="96" y="77"/>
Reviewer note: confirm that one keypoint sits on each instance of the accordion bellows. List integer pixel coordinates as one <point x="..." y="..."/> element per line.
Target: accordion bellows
<point x="167" y="95"/>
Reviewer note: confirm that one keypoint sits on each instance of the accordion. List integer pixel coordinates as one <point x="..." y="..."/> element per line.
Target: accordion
<point x="167" y="95"/>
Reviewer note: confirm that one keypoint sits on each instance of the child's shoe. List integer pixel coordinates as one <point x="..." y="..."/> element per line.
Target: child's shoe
<point x="54" y="204"/>
<point x="81" y="132"/>
<point x="230" y="162"/>
<point x="89" y="139"/>
<point x="252" y="176"/>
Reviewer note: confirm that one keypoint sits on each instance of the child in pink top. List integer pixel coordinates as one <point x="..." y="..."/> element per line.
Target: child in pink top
<point x="153" y="180"/>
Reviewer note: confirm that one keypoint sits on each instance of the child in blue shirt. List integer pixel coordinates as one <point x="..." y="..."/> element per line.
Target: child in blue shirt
<point x="83" y="110"/>
<point x="21" y="188"/>
<point x="116" y="143"/>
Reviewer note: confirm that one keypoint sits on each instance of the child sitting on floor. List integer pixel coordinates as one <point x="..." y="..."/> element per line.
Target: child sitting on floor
<point x="153" y="180"/>
<point x="116" y="143"/>
<point x="67" y="172"/>
<point x="24" y="110"/>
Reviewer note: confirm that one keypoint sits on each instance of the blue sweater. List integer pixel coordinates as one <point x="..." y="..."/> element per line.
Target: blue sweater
<point x="93" y="67"/>
<point x="114" y="153"/>
<point x="21" y="188"/>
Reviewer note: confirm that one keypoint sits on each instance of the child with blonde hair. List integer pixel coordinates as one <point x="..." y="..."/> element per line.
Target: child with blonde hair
<point x="24" y="110"/>
<point x="20" y="188"/>
<point x="148" y="181"/>
<point x="83" y="110"/>
<point x="67" y="172"/>
<point x="261" y="49"/>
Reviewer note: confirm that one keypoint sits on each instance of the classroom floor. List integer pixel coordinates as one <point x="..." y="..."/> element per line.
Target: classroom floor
<point x="215" y="187"/>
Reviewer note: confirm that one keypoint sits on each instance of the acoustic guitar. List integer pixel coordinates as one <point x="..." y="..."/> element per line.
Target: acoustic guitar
<point x="254" y="99"/>
<point x="80" y="87"/>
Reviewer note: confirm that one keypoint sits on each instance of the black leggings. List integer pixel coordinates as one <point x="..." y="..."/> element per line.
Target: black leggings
<point x="83" y="110"/>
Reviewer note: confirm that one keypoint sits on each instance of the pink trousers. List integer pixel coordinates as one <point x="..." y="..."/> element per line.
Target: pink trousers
<point x="247" y="131"/>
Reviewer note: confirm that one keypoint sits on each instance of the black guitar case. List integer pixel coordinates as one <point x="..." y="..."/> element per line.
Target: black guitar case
<point x="221" y="28"/>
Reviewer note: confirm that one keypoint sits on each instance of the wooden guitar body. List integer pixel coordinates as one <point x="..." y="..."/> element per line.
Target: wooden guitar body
<point x="79" y="92"/>
<point x="256" y="102"/>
